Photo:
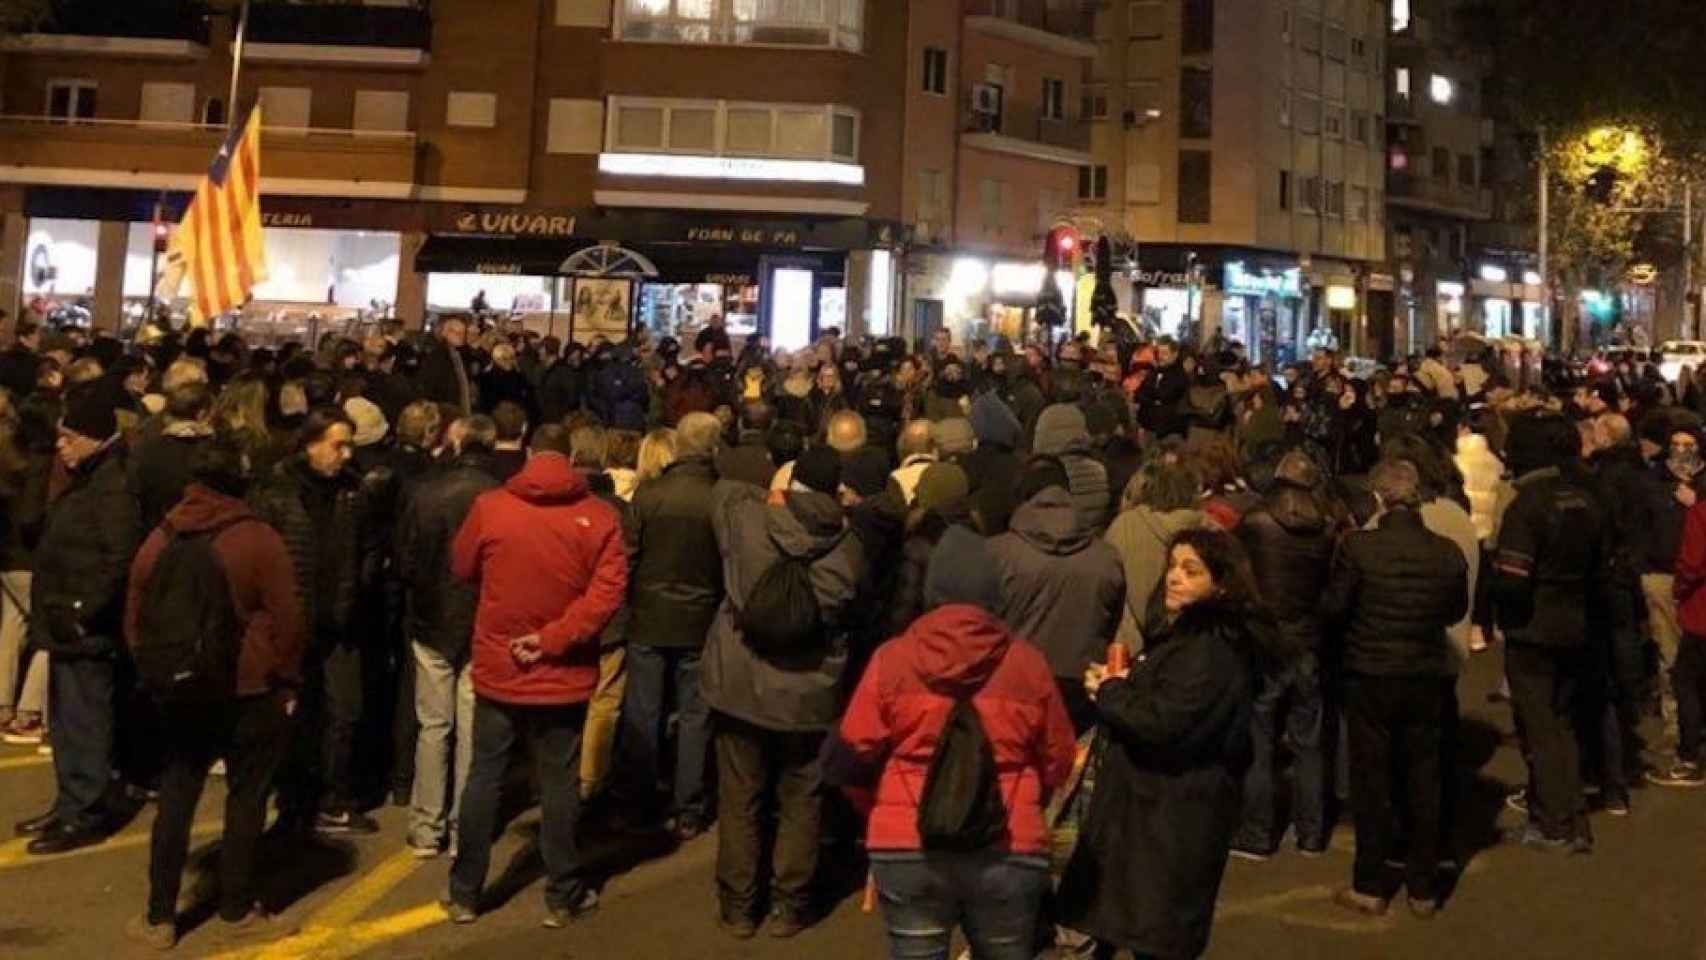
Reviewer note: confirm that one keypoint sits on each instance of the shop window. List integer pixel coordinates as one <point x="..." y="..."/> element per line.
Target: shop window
<point x="1197" y="35"/>
<point x="1285" y="189"/>
<point x="71" y="99"/>
<point x="1196" y="198"/>
<point x="286" y="108"/>
<point x="1466" y="170"/>
<point x="1093" y="182"/>
<point x="575" y="127"/>
<point x="792" y="23"/>
<point x="1143" y="184"/>
<point x="1054" y="99"/>
<point x="935" y="70"/>
<point x="720" y="128"/>
<point x="382" y="110"/>
<point x="1196" y="103"/>
<point x="471" y="110"/>
<point x="1146" y="22"/>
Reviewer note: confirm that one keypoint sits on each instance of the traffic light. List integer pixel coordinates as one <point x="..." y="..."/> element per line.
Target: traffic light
<point x="1061" y="252"/>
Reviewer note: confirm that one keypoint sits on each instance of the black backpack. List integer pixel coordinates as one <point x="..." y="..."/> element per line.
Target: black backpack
<point x="188" y="635"/>
<point x="781" y="615"/>
<point x="962" y="810"/>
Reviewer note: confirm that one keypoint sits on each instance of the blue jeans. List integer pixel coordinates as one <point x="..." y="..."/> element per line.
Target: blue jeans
<point x="1294" y="696"/>
<point x="992" y="896"/>
<point x="653" y="673"/>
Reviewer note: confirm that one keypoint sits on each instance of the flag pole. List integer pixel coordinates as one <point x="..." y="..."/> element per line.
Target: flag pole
<point x="236" y="65"/>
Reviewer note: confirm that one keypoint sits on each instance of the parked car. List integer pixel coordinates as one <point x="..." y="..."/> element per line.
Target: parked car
<point x="1676" y="354"/>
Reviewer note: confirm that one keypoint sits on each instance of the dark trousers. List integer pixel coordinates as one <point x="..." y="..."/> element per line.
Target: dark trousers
<point x="994" y="897"/>
<point x="1292" y="697"/>
<point x="1396" y="727"/>
<point x="251" y="736"/>
<point x="1688" y="680"/>
<point x="1545" y="684"/>
<point x="405" y="725"/>
<point x="318" y="774"/>
<point x="80" y="725"/>
<point x="1608" y="715"/>
<point x="554" y="734"/>
<point x="758" y="768"/>
<point x="655" y="677"/>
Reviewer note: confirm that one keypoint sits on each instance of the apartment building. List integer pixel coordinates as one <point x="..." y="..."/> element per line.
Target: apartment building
<point x="1238" y="158"/>
<point x="786" y="166"/>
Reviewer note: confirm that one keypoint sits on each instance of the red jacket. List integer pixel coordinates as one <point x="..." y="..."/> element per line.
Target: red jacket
<point x="1691" y="572"/>
<point x="263" y="586"/>
<point x="547" y="556"/>
<point x="904" y="700"/>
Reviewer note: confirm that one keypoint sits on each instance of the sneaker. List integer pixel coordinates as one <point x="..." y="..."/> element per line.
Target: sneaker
<point x="160" y="936"/>
<point x="1617" y="805"/>
<point x="739" y="926"/>
<point x="1251" y="853"/>
<point x="784" y="924"/>
<point x="1518" y="801"/>
<point x="1477" y="640"/>
<point x="558" y="917"/>
<point x="1364" y="903"/>
<point x="1529" y="835"/>
<point x="348" y="823"/>
<point x="1422" y="909"/>
<point x="1680" y="774"/>
<point x="24" y="730"/>
<point x="457" y="912"/>
<point x="422" y="851"/>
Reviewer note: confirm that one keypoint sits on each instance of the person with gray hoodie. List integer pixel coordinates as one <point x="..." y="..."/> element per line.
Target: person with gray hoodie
<point x="1159" y="502"/>
<point x="1062" y="587"/>
<point x="1062" y="432"/>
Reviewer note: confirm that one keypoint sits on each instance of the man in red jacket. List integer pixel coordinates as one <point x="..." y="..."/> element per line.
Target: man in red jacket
<point x="548" y="558"/>
<point x="1688" y="667"/>
<point x="249" y="732"/>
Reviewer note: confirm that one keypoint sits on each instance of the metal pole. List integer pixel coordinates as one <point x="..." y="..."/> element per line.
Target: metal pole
<point x="236" y="64"/>
<point x="1546" y="332"/>
<point x="153" y="262"/>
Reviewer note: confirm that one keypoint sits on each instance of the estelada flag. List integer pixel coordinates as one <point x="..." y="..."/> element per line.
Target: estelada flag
<point x="219" y="245"/>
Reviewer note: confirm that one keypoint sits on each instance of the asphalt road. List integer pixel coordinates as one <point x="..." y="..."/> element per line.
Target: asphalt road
<point x="1642" y="893"/>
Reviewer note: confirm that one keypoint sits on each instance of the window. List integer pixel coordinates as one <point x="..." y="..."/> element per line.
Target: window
<point x="1054" y="99"/>
<point x="1309" y="33"/>
<point x="1333" y="121"/>
<point x="1466" y="170"/>
<point x="463" y="109"/>
<point x="382" y="110"/>
<point x="1143" y="184"/>
<point x="1144" y="98"/>
<point x="575" y="127"/>
<point x="990" y="202"/>
<point x="285" y="108"/>
<point x="1196" y="103"/>
<point x="1441" y="90"/>
<point x="1196" y="186"/>
<point x="1146" y="20"/>
<point x="1358" y="211"/>
<point x="1095" y="103"/>
<point x="1359" y="127"/>
<point x="1442" y="165"/>
<point x="935" y="70"/>
<point x="1335" y="197"/>
<point x="722" y="128"/>
<point x="168" y="102"/>
<point x="1334" y="42"/>
<point x="932" y="196"/>
<point x="1400" y="15"/>
<point x="1308" y="113"/>
<point x="1093" y="183"/>
<point x="1285" y="189"/>
<point x="792" y="23"/>
<point x="1401" y="82"/>
<point x="1359" y="53"/>
<point x="1197" y="34"/>
<point x="1285" y="107"/>
<point x="1309" y="194"/>
<point x="71" y="99"/>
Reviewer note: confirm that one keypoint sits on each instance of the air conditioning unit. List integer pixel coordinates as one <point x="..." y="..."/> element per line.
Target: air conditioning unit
<point x="986" y="99"/>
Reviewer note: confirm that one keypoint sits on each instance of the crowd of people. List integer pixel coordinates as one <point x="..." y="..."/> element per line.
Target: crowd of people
<point x="1046" y="633"/>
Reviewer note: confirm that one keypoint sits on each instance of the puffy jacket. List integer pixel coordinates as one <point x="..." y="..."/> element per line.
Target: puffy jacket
<point x="1484" y="482"/>
<point x="677" y="579"/>
<point x="1553" y="561"/>
<point x="438" y="609"/>
<point x="548" y="558"/>
<point x="620" y="396"/>
<point x="257" y="570"/>
<point x="797" y="693"/>
<point x="1062" y="588"/>
<point x="909" y="690"/>
<point x="91" y="534"/>
<point x="1141" y="536"/>
<point x="1396" y="589"/>
<point x="327" y="525"/>
<point x="1062" y="432"/>
<point x="1691" y="573"/>
<point x="1290" y="542"/>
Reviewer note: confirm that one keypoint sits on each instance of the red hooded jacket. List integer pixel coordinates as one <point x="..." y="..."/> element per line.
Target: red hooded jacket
<point x="903" y="703"/>
<point x="1691" y="572"/>
<point x="547" y="556"/>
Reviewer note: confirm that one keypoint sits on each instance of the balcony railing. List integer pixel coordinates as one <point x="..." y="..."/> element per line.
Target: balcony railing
<point x="351" y="25"/>
<point x="1074" y="19"/>
<point x="135" y="19"/>
<point x="1439" y="195"/>
<point x="1026" y="121"/>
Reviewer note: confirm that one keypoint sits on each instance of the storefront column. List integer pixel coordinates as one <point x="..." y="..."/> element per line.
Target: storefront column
<point x="13" y="234"/>
<point x="111" y="246"/>
<point x="410" y="302"/>
<point x="858" y="294"/>
<point x="1212" y="302"/>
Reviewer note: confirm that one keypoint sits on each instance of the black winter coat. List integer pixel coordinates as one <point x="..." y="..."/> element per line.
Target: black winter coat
<point x="438" y="608"/>
<point x="333" y="549"/>
<point x="438" y="380"/>
<point x="562" y="391"/>
<point x="620" y="396"/>
<point x="1160" y="401"/>
<point x="159" y="468"/>
<point x="1660" y="515"/>
<point x="1290" y="541"/>
<point x="1395" y="590"/>
<point x="82" y="562"/>
<point x="1552" y="563"/>
<point x="676" y="582"/>
<point x="1175" y="743"/>
<point x="1623" y="480"/>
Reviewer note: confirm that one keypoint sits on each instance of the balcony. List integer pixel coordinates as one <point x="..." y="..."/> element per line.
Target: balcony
<point x="339" y="34"/>
<point x="162" y="29"/>
<point x="1066" y="27"/>
<point x="1436" y="196"/>
<point x="174" y="156"/>
<point x="1023" y="130"/>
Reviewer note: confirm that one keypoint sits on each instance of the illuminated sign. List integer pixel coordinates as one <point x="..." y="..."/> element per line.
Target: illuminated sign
<point x="516" y="224"/>
<point x="1283" y="283"/>
<point x="730" y="168"/>
<point x="1643" y="274"/>
<point x="1341" y="298"/>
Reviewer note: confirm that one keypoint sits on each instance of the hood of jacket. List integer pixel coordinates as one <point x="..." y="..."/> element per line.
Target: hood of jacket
<point x="1297" y="510"/>
<point x="1165" y="526"/>
<point x="1050" y="522"/>
<point x="995" y="423"/>
<point x="809" y="524"/>
<point x="1061" y="429"/>
<point x="548" y="478"/>
<point x="203" y="509"/>
<point x="958" y="647"/>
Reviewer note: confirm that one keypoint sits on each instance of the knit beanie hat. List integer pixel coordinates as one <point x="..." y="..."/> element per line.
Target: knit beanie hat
<point x="89" y="412"/>
<point x="940" y="485"/>
<point x="819" y="469"/>
<point x="962" y="570"/>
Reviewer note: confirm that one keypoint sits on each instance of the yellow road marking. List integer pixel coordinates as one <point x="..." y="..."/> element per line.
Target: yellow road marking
<point x="13" y="853"/>
<point x="33" y="760"/>
<point x="331" y="931"/>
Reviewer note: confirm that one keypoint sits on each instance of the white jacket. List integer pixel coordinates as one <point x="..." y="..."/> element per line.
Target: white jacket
<point x="1483" y="478"/>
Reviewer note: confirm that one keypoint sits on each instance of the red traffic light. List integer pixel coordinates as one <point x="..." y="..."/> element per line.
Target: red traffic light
<point x="1068" y="243"/>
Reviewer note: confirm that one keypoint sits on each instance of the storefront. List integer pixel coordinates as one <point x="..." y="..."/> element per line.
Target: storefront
<point x="1263" y="305"/>
<point x="979" y="298"/>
